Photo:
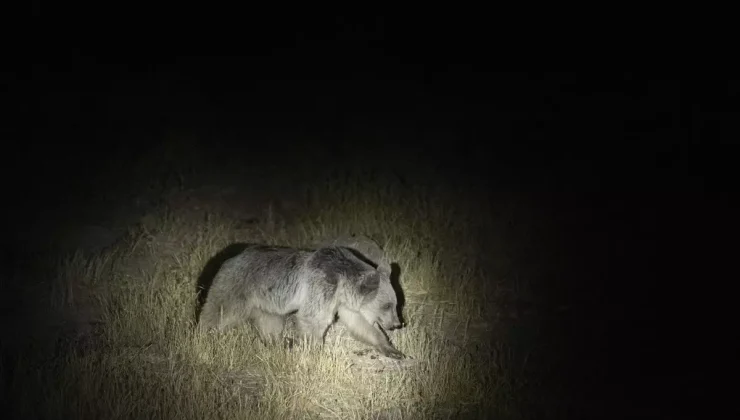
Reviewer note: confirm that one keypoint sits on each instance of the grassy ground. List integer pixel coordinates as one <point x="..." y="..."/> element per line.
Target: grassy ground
<point x="129" y="349"/>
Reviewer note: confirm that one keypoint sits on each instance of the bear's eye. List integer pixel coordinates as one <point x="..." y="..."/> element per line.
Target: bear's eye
<point x="387" y="306"/>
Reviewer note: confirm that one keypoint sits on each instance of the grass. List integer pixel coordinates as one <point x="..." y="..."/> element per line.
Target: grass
<point x="141" y="357"/>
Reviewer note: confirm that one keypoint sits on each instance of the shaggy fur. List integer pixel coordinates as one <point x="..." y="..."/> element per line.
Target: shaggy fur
<point x="265" y="284"/>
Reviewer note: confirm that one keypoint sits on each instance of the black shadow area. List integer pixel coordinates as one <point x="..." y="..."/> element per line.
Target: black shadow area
<point x="395" y="282"/>
<point x="205" y="279"/>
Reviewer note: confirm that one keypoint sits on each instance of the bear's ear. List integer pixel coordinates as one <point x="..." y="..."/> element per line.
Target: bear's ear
<point x="369" y="282"/>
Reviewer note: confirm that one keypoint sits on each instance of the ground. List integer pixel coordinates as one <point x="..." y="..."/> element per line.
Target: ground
<point x="114" y="308"/>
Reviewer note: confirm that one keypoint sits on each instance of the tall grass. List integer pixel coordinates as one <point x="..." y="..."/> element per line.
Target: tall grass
<point x="143" y="358"/>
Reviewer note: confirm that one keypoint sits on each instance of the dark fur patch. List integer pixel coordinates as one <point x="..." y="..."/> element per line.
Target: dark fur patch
<point x="334" y="260"/>
<point x="369" y="283"/>
<point x="361" y="257"/>
<point x="329" y="290"/>
<point x="332" y="278"/>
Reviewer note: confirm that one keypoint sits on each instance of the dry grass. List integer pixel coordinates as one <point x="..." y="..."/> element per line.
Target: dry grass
<point x="141" y="358"/>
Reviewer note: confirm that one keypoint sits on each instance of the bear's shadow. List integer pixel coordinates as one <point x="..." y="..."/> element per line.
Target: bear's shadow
<point x="205" y="279"/>
<point x="396" y="283"/>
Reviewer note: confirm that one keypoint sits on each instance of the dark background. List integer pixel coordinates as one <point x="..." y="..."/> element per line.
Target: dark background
<point x="634" y="168"/>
